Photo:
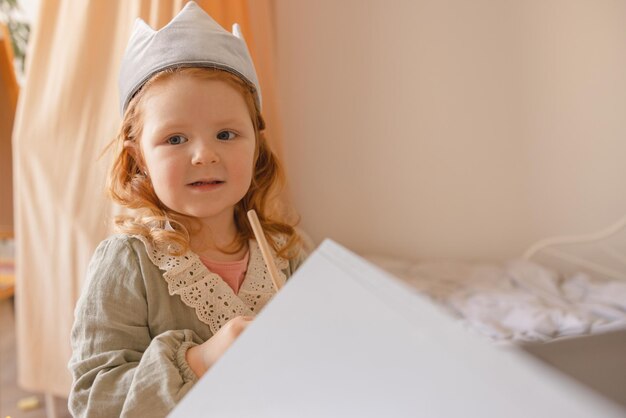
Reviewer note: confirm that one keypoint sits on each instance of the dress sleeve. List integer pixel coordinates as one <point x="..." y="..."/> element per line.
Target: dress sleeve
<point x="118" y="368"/>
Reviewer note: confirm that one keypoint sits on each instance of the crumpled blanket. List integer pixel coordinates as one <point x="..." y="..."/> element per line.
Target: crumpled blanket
<point x="517" y="300"/>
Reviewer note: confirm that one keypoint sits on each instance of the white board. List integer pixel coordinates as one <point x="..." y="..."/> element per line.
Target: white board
<point x="345" y="339"/>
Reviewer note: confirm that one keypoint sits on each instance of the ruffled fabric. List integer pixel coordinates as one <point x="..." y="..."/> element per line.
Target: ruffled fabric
<point x="213" y="300"/>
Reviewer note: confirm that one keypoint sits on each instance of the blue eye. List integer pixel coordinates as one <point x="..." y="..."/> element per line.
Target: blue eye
<point x="176" y="139"/>
<point x="226" y="135"/>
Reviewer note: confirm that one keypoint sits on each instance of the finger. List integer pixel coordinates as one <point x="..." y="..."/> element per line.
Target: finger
<point x="240" y="318"/>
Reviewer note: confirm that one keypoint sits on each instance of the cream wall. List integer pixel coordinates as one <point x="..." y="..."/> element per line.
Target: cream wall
<point x="453" y="129"/>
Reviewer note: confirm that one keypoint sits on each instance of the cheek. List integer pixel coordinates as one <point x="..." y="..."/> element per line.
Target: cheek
<point x="164" y="174"/>
<point x="245" y="167"/>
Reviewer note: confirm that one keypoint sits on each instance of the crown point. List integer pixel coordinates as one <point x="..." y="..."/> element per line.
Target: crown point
<point x="141" y="25"/>
<point x="237" y="30"/>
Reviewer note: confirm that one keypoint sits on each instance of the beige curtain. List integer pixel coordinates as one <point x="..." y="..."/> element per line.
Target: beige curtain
<point x="66" y="115"/>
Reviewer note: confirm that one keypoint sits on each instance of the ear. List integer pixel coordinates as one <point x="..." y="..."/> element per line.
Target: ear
<point x="130" y="147"/>
<point x="135" y="153"/>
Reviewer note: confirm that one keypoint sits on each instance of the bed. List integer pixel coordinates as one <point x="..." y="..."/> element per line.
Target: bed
<point x="563" y="301"/>
<point x="560" y="287"/>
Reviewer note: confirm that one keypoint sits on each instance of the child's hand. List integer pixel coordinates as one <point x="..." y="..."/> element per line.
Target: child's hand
<point x="203" y="356"/>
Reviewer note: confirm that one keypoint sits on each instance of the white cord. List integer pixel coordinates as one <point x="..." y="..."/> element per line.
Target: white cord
<point x="575" y="239"/>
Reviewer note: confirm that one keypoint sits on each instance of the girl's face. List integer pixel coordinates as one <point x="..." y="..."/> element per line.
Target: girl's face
<point x="198" y="144"/>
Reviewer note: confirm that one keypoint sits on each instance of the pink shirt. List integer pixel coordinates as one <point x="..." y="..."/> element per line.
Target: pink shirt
<point x="232" y="272"/>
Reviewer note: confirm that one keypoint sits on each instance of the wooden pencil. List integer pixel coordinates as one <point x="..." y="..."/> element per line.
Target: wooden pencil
<point x="265" y="248"/>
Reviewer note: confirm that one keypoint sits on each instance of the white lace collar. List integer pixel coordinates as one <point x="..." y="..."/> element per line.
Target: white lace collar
<point x="213" y="299"/>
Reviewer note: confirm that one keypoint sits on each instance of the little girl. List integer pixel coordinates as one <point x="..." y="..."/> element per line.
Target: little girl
<point x="166" y="297"/>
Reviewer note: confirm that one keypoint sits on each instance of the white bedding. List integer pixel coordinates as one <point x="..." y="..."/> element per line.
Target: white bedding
<point x="517" y="300"/>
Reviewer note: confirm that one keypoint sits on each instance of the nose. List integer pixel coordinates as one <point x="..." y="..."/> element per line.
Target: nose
<point x="204" y="153"/>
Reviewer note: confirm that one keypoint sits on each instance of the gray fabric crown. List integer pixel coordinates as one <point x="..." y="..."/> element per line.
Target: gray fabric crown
<point x="191" y="39"/>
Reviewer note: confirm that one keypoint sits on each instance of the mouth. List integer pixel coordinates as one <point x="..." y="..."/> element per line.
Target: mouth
<point x="206" y="183"/>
